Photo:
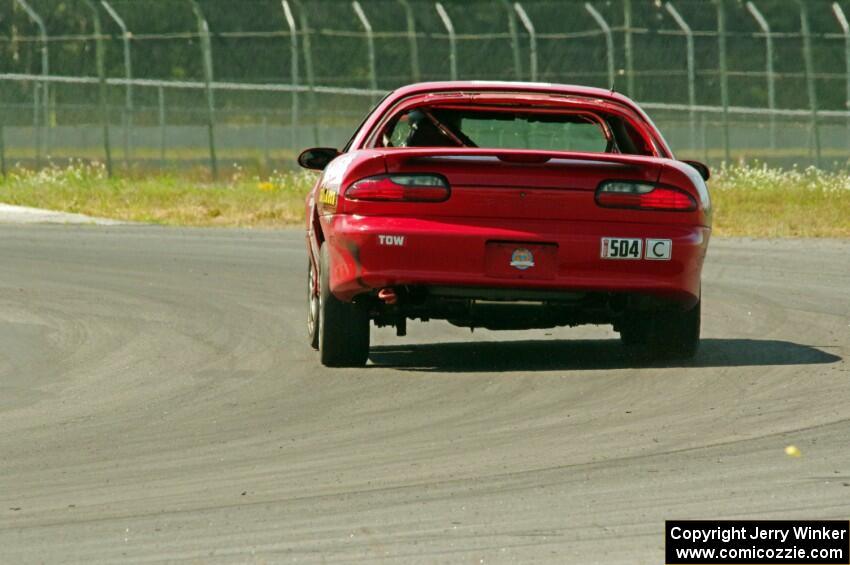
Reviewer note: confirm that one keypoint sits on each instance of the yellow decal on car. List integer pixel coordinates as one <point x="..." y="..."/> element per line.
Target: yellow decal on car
<point x="328" y="197"/>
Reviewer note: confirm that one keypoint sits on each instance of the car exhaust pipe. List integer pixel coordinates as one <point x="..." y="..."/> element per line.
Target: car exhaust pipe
<point x="388" y="296"/>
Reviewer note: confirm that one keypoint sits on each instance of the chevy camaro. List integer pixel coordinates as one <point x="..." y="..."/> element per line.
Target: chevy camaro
<point x="505" y="206"/>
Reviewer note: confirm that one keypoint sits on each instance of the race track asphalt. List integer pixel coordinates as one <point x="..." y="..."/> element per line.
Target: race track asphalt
<point x="159" y="403"/>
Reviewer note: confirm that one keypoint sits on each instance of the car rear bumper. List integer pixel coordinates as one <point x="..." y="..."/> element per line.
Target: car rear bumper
<point x="374" y="252"/>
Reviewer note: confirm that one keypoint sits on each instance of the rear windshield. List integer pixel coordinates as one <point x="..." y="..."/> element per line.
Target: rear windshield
<point x="514" y="128"/>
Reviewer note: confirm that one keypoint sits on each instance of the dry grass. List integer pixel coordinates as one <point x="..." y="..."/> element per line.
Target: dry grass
<point x="755" y="201"/>
<point x="242" y="200"/>
<point x="758" y="201"/>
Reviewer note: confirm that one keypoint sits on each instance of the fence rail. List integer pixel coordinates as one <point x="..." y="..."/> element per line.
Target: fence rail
<point x="763" y="79"/>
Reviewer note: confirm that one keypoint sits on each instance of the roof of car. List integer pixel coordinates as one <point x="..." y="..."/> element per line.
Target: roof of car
<point x="479" y="85"/>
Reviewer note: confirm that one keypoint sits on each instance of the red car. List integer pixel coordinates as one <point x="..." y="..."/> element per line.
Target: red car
<point x="505" y="206"/>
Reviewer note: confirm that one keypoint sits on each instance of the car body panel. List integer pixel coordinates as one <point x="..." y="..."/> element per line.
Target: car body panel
<point x="448" y="251"/>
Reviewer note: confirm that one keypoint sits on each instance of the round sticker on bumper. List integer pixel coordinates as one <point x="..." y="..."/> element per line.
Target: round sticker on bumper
<point x="522" y="259"/>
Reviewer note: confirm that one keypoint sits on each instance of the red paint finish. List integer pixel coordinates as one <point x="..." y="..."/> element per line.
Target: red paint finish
<point x="445" y="251"/>
<point x="504" y="203"/>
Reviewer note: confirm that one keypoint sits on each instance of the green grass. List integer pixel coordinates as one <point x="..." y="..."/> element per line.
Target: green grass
<point x="185" y="199"/>
<point x="759" y="201"/>
<point x="754" y="200"/>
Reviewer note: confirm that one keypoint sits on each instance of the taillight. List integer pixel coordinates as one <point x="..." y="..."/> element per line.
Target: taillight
<point x="643" y="196"/>
<point x="400" y="188"/>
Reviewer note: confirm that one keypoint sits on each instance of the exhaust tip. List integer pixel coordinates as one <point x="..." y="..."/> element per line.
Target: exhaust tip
<point x="388" y="295"/>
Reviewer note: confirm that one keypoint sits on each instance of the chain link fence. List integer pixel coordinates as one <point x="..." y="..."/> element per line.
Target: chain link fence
<point x="210" y="83"/>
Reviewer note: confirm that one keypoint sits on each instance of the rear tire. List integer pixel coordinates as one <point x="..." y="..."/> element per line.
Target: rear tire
<point x="312" y="307"/>
<point x="668" y="334"/>
<point x="343" y="327"/>
<point x="675" y="334"/>
<point x="634" y="329"/>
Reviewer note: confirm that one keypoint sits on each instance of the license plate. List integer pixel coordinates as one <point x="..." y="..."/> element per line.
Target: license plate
<point x="622" y="248"/>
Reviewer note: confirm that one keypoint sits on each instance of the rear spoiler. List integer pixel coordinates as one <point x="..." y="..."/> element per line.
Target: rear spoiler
<point x="404" y="154"/>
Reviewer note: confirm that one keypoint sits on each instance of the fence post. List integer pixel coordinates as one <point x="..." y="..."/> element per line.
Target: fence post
<point x="692" y="90"/>
<point x="308" y="68"/>
<point x="128" y="73"/>
<point x="36" y="119"/>
<point x="412" y="41"/>
<point x="609" y="41"/>
<point x="101" y="75"/>
<point x="370" y="43"/>
<point x="206" y="60"/>
<point x="41" y="124"/>
<point x="512" y="31"/>
<point x="2" y="149"/>
<point x="724" y="77"/>
<point x="293" y="67"/>
<point x="265" y="131"/>
<point x="845" y="29"/>
<point x="532" y="38"/>
<point x="628" y="47"/>
<point x="810" y="78"/>
<point x="162" y="136"/>
<point x="450" y="29"/>
<point x="771" y="77"/>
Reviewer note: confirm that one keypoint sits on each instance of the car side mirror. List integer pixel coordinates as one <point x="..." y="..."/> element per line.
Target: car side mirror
<point x="701" y="168"/>
<point x="317" y="158"/>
